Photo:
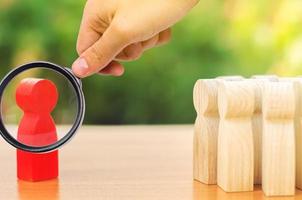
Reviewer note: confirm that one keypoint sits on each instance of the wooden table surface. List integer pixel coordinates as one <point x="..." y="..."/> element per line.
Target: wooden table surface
<point x="120" y="162"/>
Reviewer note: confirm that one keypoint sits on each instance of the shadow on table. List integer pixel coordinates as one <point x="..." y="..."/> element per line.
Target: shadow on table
<point x="209" y="192"/>
<point x="38" y="190"/>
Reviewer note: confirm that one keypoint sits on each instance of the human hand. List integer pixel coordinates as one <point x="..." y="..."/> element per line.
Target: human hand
<point x="121" y="30"/>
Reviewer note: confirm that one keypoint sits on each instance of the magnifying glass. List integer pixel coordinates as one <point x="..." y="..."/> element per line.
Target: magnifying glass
<point x="42" y="106"/>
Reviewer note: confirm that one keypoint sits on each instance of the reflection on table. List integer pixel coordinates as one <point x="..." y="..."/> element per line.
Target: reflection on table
<point x="38" y="190"/>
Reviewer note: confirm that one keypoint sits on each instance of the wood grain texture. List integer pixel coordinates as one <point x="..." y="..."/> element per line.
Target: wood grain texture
<point x="205" y="131"/>
<point x="297" y="81"/>
<point x="121" y="163"/>
<point x="298" y="131"/>
<point x="235" y="163"/>
<point x="278" y="153"/>
<point x="258" y="81"/>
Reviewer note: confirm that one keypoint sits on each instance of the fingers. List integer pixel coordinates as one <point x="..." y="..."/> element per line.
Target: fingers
<point x="114" y="68"/>
<point x="159" y="39"/>
<point x="87" y="36"/>
<point x="164" y="37"/>
<point x="148" y="44"/>
<point x="131" y="52"/>
<point x="91" y="28"/>
<point x="98" y="52"/>
<point x="134" y="51"/>
<point x="101" y="53"/>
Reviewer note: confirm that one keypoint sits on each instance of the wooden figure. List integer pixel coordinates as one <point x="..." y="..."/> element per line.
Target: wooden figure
<point x="298" y="123"/>
<point x="230" y="78"/>
<point x="37" y="98"/>
<point x="206" y="131"/>
<point x="235" y="163"/>
<point x="298" y="131"/>
<point x="258" y="81"/>
<point x="278" y="144"/>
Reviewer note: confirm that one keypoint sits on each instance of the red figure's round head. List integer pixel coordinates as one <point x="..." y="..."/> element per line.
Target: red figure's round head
<point x="36" y="95"/>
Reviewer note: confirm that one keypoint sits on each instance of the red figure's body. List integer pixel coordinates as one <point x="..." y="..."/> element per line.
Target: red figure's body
<point x="37" y="98"/>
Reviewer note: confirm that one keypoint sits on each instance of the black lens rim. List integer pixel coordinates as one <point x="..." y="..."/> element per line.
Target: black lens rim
<point x="75" y="82"/>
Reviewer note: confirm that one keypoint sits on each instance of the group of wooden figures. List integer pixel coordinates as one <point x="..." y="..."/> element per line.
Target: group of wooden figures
<point x="248" y="131"/>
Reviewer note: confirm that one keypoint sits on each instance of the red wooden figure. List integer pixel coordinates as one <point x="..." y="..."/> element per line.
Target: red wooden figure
<point x="37" y="98"/>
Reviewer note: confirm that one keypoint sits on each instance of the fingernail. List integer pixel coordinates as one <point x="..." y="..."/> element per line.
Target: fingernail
<point x="80" y="67"/>
<point x="118" y="71"/>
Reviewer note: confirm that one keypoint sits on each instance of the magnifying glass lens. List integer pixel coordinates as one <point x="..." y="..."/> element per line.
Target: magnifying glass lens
<point x="39" y="107"/>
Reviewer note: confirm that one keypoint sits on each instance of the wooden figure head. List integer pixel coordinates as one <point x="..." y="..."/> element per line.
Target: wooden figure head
<point x="235" y="99"/>
<point x="36" y="95"/>
<point x="205" y="97"/>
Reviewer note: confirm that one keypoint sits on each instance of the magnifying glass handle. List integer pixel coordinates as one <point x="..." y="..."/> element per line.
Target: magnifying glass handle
<point x="77" y="78"/>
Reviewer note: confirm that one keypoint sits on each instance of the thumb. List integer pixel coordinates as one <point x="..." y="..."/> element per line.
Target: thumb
<point x="101" y="53"/>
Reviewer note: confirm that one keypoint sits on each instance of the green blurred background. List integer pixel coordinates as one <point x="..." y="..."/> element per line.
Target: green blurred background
<point x="217" y="38"/>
